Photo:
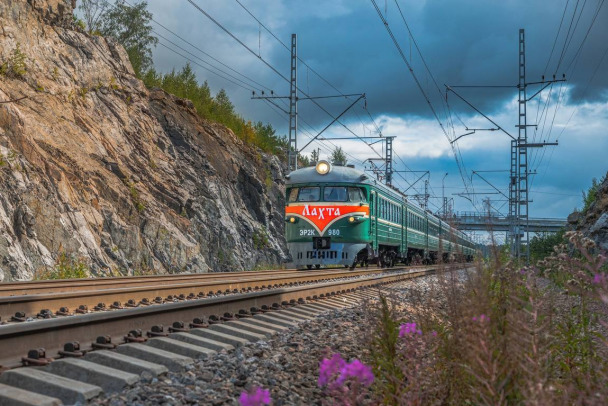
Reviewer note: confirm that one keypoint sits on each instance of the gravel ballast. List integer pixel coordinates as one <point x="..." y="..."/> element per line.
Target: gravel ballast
<point x="287" y="364"/>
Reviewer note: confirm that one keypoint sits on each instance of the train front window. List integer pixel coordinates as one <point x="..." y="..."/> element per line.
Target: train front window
<point x="335" y="194"/>
<point x="356" y="195"/>
<point x="309" y="194"/>
<point x="293" y="194"/>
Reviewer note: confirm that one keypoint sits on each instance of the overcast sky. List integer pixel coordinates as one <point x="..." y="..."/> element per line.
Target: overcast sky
<point x="464" y="42"/>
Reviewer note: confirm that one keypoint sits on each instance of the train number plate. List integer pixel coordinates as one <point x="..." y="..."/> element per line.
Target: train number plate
<point x="321" y="243"/>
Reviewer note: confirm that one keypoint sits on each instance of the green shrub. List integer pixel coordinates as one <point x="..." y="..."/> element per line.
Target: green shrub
<point x="260" y="239"/>
<point x="66" y="267"/>
<point x="16" y="66"/>
<point x="218" y="108"/>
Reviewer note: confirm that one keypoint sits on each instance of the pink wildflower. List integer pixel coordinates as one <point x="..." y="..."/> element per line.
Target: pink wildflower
<point x="357" y="370"/>
<point x="408" y="328"/>
<point x="255" y="397"/>
<point x="599" y="278"/>
<point x="330" y="367"/>
<point x="434" y="333"/>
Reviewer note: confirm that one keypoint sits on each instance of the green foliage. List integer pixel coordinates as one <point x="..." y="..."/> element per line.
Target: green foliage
<point x="79" y="24"/>
<point x="542" y="245"/>
<point x="66" y="267"/>
<point x="384" y="352"/>
<point x="303" y="161"/>
<point x="92" y="11"/>
<point x="16" y="65"/>
<point x="338" y="157"/>
<point x="219" y="108"/>
<point x="139" y="204"/>
<point x="260" y="239"/>
<point x="591" y="196"/>
<point x="130" y="26"/>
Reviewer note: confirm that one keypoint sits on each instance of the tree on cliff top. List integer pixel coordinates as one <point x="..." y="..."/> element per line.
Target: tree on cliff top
<point x="130" y="26"/>
<point x="92" y="12"/>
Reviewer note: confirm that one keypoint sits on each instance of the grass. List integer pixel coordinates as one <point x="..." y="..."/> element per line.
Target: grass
<point x="499" y="334"/>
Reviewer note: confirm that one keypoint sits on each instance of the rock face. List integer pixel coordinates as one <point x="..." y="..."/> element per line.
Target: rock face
<point x="595" y="221"/>
<point x="94" y="165"/>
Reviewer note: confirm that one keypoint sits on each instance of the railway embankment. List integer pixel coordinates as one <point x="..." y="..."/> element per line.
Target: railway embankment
<point x="126" y="179"/>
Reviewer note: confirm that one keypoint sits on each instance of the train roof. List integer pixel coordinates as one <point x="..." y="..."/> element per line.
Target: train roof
<point x="341" y="174"/>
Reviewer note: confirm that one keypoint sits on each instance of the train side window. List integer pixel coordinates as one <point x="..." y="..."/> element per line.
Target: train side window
<point x="335" y="194"/>
<point x="356" y="195"/>
<point x="293" y="194"/>
<point x="309" y="194"/>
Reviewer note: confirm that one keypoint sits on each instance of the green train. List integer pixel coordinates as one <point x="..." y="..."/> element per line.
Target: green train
<point x="338" y="215"/>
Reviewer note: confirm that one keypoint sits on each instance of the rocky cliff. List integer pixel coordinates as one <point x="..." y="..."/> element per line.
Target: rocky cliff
<point x="92" y="164"/>
<point x="595" y="221"/>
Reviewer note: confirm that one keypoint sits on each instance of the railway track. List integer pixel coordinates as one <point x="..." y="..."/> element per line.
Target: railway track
<point x="107" y="349"/>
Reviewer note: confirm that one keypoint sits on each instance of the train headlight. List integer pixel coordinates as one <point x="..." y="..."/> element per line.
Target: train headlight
<point x="292" y="220"/>
<point x="323" y="167"/>
<point x="351" y="219"/>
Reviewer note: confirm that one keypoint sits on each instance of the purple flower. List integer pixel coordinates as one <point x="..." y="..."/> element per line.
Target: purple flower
<point x="481" y="318"/>
<point x="434" y="333"/>
<point x="255" y="397"/>
<point x="408" y="328"/>
<point x="599" y="278"/>
<point x="330" y="367"/>
<point x="357" y="370"/>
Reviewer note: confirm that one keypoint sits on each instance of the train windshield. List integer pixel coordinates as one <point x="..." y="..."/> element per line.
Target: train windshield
<point x="309" y="194"/>
<point x="335" y="194"/>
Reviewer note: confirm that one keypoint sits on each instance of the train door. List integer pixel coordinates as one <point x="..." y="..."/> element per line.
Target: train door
<point x="373" y="212"/>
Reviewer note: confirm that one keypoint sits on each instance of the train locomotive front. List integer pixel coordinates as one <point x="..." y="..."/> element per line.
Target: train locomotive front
<point x="327" y="216"/>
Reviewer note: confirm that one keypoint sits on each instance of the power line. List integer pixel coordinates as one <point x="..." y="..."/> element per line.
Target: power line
<point x="203" y="52"/>
<point x="227" y="31"/>
<point x="204" y="67"/>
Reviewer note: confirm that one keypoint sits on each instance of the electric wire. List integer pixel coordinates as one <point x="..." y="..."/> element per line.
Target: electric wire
<point x="227" y="31"/>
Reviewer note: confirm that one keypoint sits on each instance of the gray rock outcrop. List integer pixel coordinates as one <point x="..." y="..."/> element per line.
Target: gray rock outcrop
<point x="95" y="165"/>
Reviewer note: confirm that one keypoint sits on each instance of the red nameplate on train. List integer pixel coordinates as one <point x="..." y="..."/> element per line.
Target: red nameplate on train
<point x="323" y="216"/>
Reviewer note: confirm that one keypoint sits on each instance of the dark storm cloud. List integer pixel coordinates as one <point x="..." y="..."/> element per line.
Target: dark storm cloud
<point x="463" y="42"/>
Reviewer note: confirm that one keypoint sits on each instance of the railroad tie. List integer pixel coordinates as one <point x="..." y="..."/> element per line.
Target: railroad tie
<point x="172" y="361"/>
<point x="180" y="347"/>
<point x="10" y="395"/>
<point x="67" y="390"/>
<point x="109" y="379"/>
<point x="237" y="331"/>
<point x="124" y="362"/>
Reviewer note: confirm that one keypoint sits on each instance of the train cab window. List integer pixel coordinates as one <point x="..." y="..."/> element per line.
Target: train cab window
<point x="356" y="195"/>
<point x="335" y="194"/>
<point x="309" y="194"/>
<point x="293" y="194"/>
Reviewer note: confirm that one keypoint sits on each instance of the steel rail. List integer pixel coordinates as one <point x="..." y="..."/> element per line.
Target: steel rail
<point x="17" y="339"/>
<point x="30" y="305"/>
<point x="59" y="285"/>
